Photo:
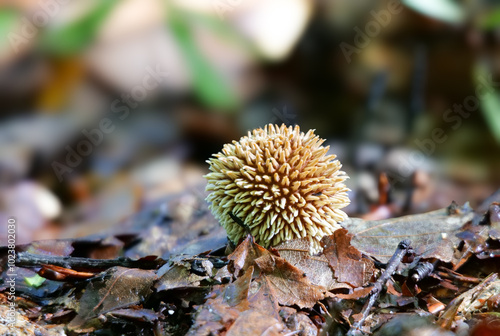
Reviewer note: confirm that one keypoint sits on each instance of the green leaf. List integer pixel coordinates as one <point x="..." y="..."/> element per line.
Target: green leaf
<point x="490" y="103"/>
<point x="491" y="108"/>
<point x="34" y="281"/>
<point x="9" y="18"/>
<point x="444" y="10"/>
<point x="209" y="85"/>
<point x="76" y="36"/>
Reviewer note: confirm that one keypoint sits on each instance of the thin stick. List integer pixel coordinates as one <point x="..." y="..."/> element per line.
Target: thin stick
<point x="392" y="265"/>
<point x="29" y="259"/>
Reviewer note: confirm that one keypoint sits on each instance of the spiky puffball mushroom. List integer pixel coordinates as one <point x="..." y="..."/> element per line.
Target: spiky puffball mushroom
<point x="281" y="183"/>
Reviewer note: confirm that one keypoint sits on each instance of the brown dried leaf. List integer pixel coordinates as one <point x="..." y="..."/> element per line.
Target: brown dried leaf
<point x="244" y="255"/>
<point x="298" y="321"/>
<point x="256" y="323"/>
<point x="240" y="308"/>
<point x="428" y="232"/>
<point x="317" y="269"/>
<point x="347" y="262"/>
<point x="289" y="284"/>
<point x="358" y="293"/>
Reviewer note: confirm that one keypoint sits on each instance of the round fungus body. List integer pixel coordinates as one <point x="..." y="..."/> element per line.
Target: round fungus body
<point x="281" y="184"/>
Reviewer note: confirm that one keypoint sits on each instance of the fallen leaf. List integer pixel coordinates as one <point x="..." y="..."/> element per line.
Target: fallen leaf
<point x="255" y="323"/>
<point x="117" y="287"/>
<point x="347" y="262"/>
<point x="298" y="321"/>
<point x="289" y="284"/>
<point x="235" y="309"/>
<point x="178" y="276"/>
<point x="428" y="233"/>
<point x="142" y="315"/>
<point x="357" y="293"/>
<point x="244" y="256"/>
<point x="317" y="268"/>
<point x="64" y="273"/>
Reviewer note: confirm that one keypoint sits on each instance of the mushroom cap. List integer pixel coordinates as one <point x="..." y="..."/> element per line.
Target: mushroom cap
<point x="280" y="183"/>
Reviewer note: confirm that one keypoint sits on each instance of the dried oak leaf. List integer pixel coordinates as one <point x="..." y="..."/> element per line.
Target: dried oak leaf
<point x="348" y="264"/>
<point x="432" y="234"/>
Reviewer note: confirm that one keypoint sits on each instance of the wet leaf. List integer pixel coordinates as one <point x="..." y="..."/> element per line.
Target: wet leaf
<point x="43" y="292"/>
<point x="347" y="262"/>
<point x="118" y="287"/>
<point x="429" y="233"/>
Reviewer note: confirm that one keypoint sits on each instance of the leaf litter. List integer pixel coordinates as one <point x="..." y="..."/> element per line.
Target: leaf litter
<point x="284" y="290"/>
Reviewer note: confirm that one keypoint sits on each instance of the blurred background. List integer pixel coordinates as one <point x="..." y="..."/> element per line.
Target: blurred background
<point x="109" y="106"/>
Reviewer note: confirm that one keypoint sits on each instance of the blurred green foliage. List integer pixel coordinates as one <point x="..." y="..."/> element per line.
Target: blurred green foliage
<point x="209" y="86"/>
<point x="9" y="18"/>
<point x="74" y="37"/>
<point x="490" y="20"/>
<point x="490" y="104"/>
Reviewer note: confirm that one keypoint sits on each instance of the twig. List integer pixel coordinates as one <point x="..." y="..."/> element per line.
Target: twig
<point x="29" y="259"/>
<point x="392" y="265"/>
